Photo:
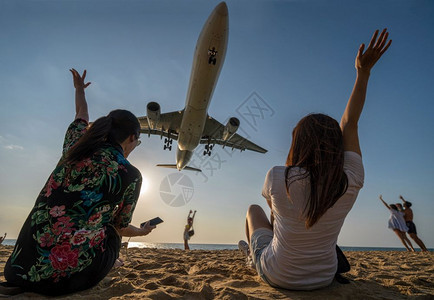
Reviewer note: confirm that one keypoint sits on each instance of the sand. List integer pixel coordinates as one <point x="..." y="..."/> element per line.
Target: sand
<point x="222" y="274"/>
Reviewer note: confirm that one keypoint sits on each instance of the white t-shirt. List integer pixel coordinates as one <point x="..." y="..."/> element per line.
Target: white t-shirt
<point x="300" y="258"/>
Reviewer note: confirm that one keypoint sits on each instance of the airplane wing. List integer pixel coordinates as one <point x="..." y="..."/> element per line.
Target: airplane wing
<point x="168" y="122"/>
<point x="213" y="134"/>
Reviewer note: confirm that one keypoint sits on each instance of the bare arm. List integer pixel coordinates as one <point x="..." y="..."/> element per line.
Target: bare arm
<point x="402" y="199"/>
<point x="387" y="205"/>
<point x="193" y="215"/>
<point x="80" y="98"/>
<point x="364" y="63"/>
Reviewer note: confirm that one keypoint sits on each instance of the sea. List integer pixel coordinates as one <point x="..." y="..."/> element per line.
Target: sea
<point x="11" y="242"/>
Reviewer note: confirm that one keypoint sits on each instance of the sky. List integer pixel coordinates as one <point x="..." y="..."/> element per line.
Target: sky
<point x="287" y="58"/>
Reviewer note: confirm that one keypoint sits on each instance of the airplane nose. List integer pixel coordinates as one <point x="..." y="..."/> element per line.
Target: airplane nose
<point x="222" y="9"/>
<point x="182" y="158"/>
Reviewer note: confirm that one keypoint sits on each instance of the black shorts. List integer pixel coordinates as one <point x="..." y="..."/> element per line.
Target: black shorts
<point x="411" y="227"/>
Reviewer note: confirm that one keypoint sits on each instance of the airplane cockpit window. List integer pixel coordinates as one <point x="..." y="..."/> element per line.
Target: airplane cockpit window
<point x="212" y="53"/>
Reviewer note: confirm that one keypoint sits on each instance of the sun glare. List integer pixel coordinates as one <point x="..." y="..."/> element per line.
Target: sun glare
<point x="145" y="186"/>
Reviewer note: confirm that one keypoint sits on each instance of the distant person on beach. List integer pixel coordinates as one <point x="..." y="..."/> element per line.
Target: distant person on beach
<point x="400" y="207"/>
<point x="408" y="217"/>
<point x="188" y="229"/>
<point x="310" y="197"/>
<point x="397" y="224"/>
<point x="2" y="238"/>
<point x="72" y="236"/>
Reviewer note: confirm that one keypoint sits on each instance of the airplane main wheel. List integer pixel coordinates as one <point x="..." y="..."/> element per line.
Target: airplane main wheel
<point x="170" y="142"/>
<point x="206" y="147"/>
<point x="170" y="148"/>
<point x="164" y="148"/>
<point x="209" y="153"/>
<point x="204" y="152"/>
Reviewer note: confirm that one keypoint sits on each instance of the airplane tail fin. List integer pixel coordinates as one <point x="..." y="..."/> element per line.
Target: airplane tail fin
<point x="172" y="166"/>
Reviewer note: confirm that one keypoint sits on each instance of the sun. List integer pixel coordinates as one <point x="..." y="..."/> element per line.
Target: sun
<point x="145" y="186"/>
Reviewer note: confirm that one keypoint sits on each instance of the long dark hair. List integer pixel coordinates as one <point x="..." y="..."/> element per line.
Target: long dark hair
<point x="114" y="128"/>
<point x="394" y="207"/>
<point x="317" y="147"/>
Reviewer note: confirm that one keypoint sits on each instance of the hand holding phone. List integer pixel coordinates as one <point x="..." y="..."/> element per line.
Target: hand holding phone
<point x="153" y="222"/>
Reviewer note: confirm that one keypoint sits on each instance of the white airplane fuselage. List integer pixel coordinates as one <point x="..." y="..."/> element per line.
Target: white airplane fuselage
<point x="207" y="62"/>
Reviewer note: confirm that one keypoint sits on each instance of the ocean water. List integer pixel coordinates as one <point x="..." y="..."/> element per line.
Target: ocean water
<point x="11" y="242"/>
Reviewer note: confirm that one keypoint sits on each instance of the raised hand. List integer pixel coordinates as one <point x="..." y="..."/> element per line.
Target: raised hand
<point x="377" y="47"/>
<point x="80" y="99"/>
<point x="79" y="80"/>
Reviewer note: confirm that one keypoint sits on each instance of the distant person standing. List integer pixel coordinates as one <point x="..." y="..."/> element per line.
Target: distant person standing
<point x="188" y="229"/>
<point x="408" y="217"/>
<point x="397" y="224"/>
<point x="2" y="238"/>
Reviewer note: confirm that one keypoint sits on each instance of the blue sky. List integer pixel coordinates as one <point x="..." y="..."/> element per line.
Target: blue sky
<point x="294" y="57"/>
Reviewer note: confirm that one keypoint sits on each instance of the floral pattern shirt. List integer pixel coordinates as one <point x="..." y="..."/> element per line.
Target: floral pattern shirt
<point x="66" y="228"/>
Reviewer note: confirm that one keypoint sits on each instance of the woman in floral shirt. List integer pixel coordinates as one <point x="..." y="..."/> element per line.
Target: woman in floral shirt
<point x="71" y="239"/>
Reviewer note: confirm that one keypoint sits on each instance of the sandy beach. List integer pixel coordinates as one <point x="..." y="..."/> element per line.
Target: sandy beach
<point x="222" y="274"/>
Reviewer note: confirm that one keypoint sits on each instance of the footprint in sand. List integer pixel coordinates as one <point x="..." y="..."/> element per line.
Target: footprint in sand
<point x="147" y="266"/>
<point x="169" y="280"/>
<point x="228" y="293"/>
<point x="131" y="276"/>
<point x="151" y="286"/>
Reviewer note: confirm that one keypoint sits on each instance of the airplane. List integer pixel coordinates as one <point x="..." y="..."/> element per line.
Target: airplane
<point x="192" y="125"/>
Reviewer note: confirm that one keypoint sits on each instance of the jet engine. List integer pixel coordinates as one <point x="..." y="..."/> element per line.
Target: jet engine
<point x="153" y="114"/>
<point x="230" y="128"/>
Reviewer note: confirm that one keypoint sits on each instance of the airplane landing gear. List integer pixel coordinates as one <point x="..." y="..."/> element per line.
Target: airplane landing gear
<point x="208" y="149"/>
<point x="168" y="144"/>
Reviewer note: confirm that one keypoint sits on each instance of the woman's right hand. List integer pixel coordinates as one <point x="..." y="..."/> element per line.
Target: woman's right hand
<point x="79" y="80"/>
<point x="132" y="230"/>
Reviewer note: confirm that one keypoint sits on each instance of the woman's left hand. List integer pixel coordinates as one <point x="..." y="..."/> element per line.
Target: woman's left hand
<point x="147" y="228"/>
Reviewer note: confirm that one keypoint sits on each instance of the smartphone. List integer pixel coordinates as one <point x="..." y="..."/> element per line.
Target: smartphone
<point x="153" y="222"/>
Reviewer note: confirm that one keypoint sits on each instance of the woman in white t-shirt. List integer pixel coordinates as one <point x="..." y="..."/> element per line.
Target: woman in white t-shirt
<point x="311" y="195"/>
